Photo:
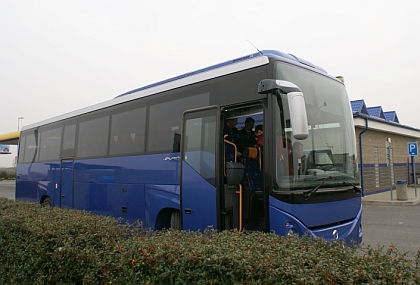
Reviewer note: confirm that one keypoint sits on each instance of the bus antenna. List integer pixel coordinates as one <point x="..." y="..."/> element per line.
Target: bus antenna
<point x="255" y="47"/>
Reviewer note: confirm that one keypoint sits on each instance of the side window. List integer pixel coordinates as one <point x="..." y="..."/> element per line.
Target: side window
<point x="200" y="145"/>
<point x="31" y="146"/>
<point x="165" y="119"/>
<point x="127" y="132"/>
<point x="69" y="141"/>
<point x="21" y="152"/>
<point x="50" y="144"/>
<point x="93" y="137"/>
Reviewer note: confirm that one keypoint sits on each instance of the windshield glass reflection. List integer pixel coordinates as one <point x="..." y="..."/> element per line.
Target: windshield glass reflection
<point x="330" y="148"/>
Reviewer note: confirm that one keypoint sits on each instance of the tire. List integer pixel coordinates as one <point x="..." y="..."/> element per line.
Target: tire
<point x="176" y="220"/>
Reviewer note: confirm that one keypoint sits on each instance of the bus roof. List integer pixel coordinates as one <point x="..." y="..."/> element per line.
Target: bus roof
<point x="268" y="53"/>
<point x="242" y="63"/>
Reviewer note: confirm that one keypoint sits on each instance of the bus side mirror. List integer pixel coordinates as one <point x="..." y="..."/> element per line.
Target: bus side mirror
<point x="296" y="102"/>
<point x="298" y="117"/>
<point x="234" y="172"/>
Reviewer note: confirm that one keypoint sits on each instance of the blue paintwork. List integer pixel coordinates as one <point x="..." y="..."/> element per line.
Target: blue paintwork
<point x="157" y="198"/>
<point x="66" y="192"/>
<point x="300" y="217"/>
<point x="350" y="232"/>
<point x="36" y="181"/>
<point x="143" y="184"/>
<point x="199" y="196"/>
<point x="148" y="184"/>
<point x="312" y="215"/>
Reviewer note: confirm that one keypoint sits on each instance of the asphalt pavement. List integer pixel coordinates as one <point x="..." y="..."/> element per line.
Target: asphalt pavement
<point x="7" y="189"/>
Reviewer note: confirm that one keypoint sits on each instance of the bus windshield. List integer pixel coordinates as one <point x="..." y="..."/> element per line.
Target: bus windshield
<point x="328" y="154"/>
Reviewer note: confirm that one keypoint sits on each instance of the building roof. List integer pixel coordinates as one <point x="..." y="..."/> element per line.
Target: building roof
<point x="359" y="108"/>
<point x="391" y="116"/>
<point x="377" y="115"/>
<point x="376" y="112"/>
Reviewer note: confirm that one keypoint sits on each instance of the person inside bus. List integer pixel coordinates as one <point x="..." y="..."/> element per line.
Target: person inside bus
<point x="295" y="159"/>
<point x="259" y="135"/>
<point x="232" y="134"/>
<point x="247" y="143"/>
<point x="230" y="129"/>
<point x="246" y="136"/>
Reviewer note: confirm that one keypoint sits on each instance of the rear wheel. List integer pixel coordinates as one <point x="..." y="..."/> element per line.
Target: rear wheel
<point x="176" y="220"/>
<point x="47" y="202"/>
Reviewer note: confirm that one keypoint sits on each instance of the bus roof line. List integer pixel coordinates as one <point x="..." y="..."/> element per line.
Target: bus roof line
<point x="192" y="73"/>
<point x="205" y="74"/>
<point x="224" y="68"/>
<point x="265" y="53"/>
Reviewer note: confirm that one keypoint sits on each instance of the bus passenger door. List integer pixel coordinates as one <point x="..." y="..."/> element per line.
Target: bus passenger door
<point x="199" y="166"/>
<point x="66" y="183"/>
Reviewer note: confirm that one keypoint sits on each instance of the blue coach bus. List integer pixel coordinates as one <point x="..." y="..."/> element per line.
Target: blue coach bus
<point x="158" y="154"/>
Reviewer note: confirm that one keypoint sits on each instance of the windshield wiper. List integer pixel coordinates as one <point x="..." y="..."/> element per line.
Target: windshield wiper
<point x="309" y="193"/>
<point x="355" y="188"/>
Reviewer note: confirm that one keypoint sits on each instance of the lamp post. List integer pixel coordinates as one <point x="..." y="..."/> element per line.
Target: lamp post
<point x="19" y="118"/>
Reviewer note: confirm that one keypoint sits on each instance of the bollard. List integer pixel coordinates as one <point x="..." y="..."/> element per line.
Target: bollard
<point x="402" y="190"/>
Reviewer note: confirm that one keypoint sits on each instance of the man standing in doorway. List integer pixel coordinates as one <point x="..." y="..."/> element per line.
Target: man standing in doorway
<point x="230" y="129"/>
<point x="247" y="136"/>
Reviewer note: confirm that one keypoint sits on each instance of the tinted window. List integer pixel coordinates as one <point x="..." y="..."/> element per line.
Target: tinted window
<point x="69" y="140"/>
<point x="200" y="146"/>
<point x="21" y="152"/>
<point x="31" y="146"/>
<point x="127" y="132"/>
<point x="93" y="137"/>
<point x="50" y="144"/>
<point x="165" y="119"/>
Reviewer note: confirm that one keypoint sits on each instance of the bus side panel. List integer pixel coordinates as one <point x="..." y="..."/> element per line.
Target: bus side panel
<point x="198" y="201"/>
<point x="145" y="169"/>
<point x="117" y="200"/>
<point x="92" y="197"/>
<point x="116" y="186"/>
<point x="158" y="198"/>
<point x="106" y="186"/>
<point x="37" y="180"/>
<point x="48" y="189"/>
<point x="26" y="190"/>
<point x="127" y="201"/>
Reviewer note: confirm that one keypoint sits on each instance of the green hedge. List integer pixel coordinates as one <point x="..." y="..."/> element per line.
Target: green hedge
<point x="7" y="175"/>
<point x="40" y="245"/>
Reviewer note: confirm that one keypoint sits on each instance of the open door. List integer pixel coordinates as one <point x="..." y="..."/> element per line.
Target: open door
<point x="199" y="168"/>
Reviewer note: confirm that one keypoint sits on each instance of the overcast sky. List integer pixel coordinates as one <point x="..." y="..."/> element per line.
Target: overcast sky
<point x="58" y="56"/>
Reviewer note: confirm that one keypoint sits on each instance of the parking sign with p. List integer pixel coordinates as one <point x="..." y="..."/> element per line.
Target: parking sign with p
<point x="412" y="148"/>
